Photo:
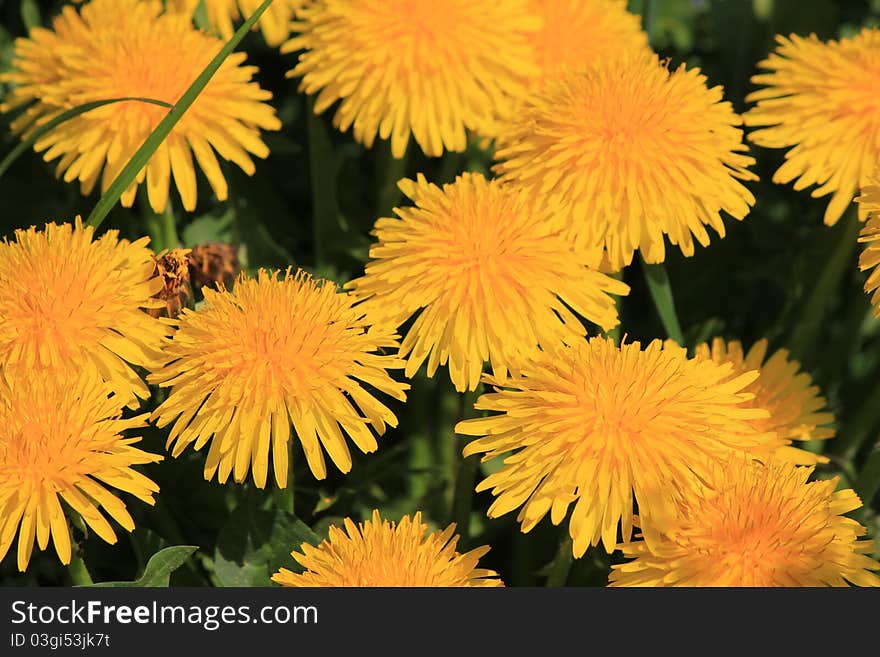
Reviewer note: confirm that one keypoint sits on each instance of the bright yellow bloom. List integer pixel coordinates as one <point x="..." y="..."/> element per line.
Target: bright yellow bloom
<point x="751" y="524"/>
<point x="379" y="553"/>
<point x="598" y="425"/>
<point x="489" y="273"/>
<point x="276" y="350"/>
<point x="61" y="439"/>
<point x="820" y="100"/>
<point x="129" y="48"/>
<point x="869" y="203"/>
<point x="421" y="67"/>
<point x="223" y="14"/>
<point x="633" y="152"/>
<point x="70" y="302"/>
<point x="575" y="34"/>
<point x="794" y="403"/>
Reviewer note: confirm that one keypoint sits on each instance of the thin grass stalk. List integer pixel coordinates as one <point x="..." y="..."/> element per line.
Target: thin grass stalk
<point x="465" y="474"/>
<point x="65" y="116"/>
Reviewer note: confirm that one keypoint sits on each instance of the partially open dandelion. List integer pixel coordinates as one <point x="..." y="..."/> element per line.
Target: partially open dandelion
<point x="869" y="203"/>
<point x="489" y="273"/>
<point x="428" y="69"/>
<point x="276" y="350"/>
<point x="820" y="101"/>
<point x="224" y="14"/>
<point x="69" y="302"/>
<point x="598" y="425"/>
<point x="751" y="524"/>
<point x="575" y="34"/>
<point x="129" y="48"/>
<point x="795" y="405"/>
<point x="61" y="440"/>
<point x="632" y="151"/>
<point x="382" y="553"/>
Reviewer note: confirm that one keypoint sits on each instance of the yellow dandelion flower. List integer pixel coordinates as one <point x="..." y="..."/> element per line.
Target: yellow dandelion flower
<point x="489" y="273"/>
<point x="61" y="440"/>
<point x="223" y="14"/>
<point x="633" y="152"/>
<point x="752" y="524"/>
<point x="575" y="34"/>
<point x="869" y="202"/>
<point x="69" y="301"/>
<point x="794" y="403"/>
<point x="598" y="425"/>
<point x="276" y="350"/>
<point x="129" y="48"/>
<point x="820" y="101"/>
<point x="413" y="67"/>
<point x="379" y="553"/>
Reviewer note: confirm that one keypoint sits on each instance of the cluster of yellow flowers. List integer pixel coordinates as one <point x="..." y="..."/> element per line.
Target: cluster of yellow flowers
<point x="601" y="150"/>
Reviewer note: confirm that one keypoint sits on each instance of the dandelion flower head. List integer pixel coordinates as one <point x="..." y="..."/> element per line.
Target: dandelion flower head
<point x="633" y="152"/>
<point x="820" y="100"/>
<point x="489" y="274"/>
<point x="421" y="68"/>
<point x="279" y="348"/>
<point x="796" y="407"/>
<point x="61" y="439"/>
<point x="601" y="426"/>
<point x="751" y="524"/>
<point x="382" y="553"/>
<point x="131" y="49"/>
<point x="69" y="301"/>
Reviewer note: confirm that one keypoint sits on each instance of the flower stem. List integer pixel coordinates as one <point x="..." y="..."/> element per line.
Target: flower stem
<point x="806" y="330"/>
<point x="867" y="417"/>
<point x="162" y="228"/>
<point x="389" y="170"/>
<point x="614" y="333"/>
<point x="868" y="482"/>
<point x="661" y="294"/>
<point x="284" y="497"/>
<point x="465" y="475"/>
<point x="323" y="167"/>
<point x="79" y="574"/>
<point x="561" y="566"/>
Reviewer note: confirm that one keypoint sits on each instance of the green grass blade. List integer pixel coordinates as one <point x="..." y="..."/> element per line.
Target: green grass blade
<point x="826" y="288"/>
<point x="661" y="293"/>
<point x="145" y="152"/>
<point x="63" y="118"/>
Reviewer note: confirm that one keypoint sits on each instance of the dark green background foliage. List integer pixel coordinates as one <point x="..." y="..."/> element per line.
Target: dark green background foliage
<point x="312" y="204"/>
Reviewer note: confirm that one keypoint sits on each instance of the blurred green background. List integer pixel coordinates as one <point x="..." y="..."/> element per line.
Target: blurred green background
<point x="312" y="204"/>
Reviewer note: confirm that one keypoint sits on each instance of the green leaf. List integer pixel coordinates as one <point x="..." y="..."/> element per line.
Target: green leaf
<point x="255" y="543"/>
<point x="139" y="160"/>
<point x="30" y="14"/>
<point x="65" y="116"/>
<point x="159" y="568"/>
<point x="208" y="228"/>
